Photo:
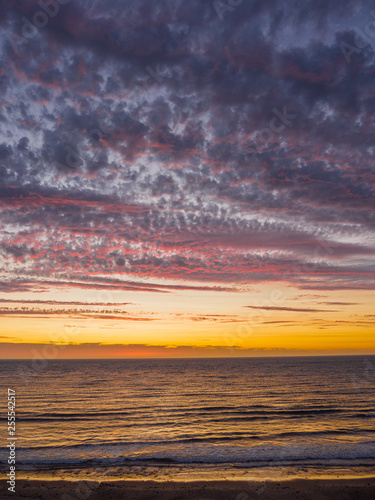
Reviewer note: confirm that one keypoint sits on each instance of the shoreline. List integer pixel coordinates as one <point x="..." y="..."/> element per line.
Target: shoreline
<point x="193" y="474"/>
<point x="47" y="489"/>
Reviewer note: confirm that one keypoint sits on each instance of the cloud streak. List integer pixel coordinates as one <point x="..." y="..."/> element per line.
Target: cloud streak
<point x="289" y="309"/>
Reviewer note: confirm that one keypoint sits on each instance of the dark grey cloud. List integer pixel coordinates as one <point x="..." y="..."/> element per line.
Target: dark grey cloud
<point x="166" y="140"/>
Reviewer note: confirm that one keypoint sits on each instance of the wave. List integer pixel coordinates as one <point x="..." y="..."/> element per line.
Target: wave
<point x="265" y="439"/>
<point x="358" y="459"/>
<point x="163" y="412"/>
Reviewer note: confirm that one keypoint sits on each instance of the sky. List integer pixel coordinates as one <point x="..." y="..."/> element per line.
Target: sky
<point x="186" y="178"/>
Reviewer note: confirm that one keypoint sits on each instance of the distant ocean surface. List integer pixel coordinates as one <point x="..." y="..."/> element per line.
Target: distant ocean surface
<point x="193" y="418"/>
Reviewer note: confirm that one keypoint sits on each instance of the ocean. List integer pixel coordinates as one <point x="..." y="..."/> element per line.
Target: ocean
<point x="192" y="418"/>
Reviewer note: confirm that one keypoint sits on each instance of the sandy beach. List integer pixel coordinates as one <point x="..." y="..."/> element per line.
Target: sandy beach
<point x="338" y="489"/>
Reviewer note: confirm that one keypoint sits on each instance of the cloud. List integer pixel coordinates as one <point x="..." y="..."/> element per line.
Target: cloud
<point x="220" y="318"/>
<point x="101" y="283"/>
<point x="50" y="351"/>
<point x="276" y="322"/>
<point x="154" y="141"/>
<point x="339" y="303"/>
<point x="76" y="313"/>
<point x="63" y="303"/>
<point x="289" y="309"/>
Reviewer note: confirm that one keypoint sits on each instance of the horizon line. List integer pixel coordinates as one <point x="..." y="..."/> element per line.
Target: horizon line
<point x="189" y="357"/>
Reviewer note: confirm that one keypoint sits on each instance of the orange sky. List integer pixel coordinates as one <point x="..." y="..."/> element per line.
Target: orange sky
<point x="260" y="321"/>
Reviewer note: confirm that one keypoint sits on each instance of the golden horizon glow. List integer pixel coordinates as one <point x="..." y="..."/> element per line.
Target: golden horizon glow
<point x="263" y="321"/>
